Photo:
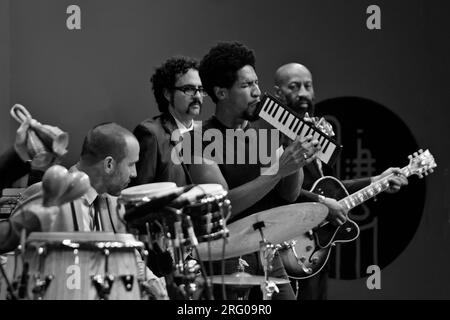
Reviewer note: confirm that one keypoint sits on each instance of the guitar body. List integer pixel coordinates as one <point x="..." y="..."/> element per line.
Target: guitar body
<point x="307" y="254"/>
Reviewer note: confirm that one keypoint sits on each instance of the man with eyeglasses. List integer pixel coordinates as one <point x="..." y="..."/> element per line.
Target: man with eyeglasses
<point x="179" y="94"/>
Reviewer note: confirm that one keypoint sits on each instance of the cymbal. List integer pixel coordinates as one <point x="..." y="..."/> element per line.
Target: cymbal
<point x="280" y="224"/>
<point x="239" y="279"/>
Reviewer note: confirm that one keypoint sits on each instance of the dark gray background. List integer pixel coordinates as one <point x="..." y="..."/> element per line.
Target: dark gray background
<point x="76" y="79"/>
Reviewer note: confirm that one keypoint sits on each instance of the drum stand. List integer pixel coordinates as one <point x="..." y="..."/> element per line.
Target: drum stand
<point x="103" y="283"/>
<point x="267" y="252"/>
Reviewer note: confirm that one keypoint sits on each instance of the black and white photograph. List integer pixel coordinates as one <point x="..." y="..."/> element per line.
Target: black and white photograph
<point x="239" y="151"/>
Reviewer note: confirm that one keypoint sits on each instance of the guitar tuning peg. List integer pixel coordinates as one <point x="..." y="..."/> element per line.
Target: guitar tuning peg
<point x="420" y="150"/>
<point x="415" y="154"/>
<point x="410" y="157"/>
<point x="420" y="176"/>
<point x="431" y="170"/>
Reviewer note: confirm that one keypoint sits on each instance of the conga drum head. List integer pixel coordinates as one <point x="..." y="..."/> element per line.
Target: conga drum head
<point x="82" y="266"/>
<point x="146" y="192"/>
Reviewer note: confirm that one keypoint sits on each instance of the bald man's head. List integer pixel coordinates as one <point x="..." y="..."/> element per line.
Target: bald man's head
<point x="106" y="139"/>
<point x="294" y="86"/>
<point x="109" y="155"/>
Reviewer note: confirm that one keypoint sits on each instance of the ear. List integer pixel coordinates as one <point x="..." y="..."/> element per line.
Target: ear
<point x="167" y="94"/>
<point x="109" y="164"/>
<point x="278" y="92"/>
<point x="221" y="93"/>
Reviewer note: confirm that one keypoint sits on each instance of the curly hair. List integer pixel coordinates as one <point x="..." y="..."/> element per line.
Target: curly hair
<point x="219" y="66"/>
<point x="166" y="75"/>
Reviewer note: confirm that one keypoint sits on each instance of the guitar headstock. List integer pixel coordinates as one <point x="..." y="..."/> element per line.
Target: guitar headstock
<point x="421" y="163"/>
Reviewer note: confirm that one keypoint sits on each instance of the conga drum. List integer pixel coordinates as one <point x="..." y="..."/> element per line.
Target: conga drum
<point x="82" y="266"/>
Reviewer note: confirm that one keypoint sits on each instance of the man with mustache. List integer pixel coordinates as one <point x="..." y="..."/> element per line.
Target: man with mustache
<point x="179" y="94"/>
<point x="228" y="74"/>
<point x="294" y="86"/>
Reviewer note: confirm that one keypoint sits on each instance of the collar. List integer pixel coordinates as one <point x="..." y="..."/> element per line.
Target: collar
<point x="91" y="194"/>
<point x="181" y="127"/>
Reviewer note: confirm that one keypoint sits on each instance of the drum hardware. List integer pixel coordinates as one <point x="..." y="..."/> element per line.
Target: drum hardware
<point x="22" y="283"/>
<point x="174" y="221"/>
<point x="241" y="282"/>
<point x="281" y="224"/>
<point x="103" y="283"/>
<point x="143" y="285"/>
<point x="41" y="284"/>
<point x="267" y="252"/>
<point x="300" y="261"/>
<point x="55" y="266"/>
<point x="128" y="280"/>
<point x="10" y="289"/>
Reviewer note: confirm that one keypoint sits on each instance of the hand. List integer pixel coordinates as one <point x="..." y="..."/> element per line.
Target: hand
<point x="155" y="289"/>
<point x="299" y="153"/>
<point x="396" y="180"/>
<point x="337" y="214"/>
<point x="20" y="144"/>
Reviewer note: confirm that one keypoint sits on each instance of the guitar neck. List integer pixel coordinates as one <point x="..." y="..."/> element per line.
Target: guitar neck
<point x="370" y="191"/>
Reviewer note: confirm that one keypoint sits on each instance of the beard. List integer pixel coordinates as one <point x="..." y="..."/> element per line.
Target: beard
<point x="298" y="106"/>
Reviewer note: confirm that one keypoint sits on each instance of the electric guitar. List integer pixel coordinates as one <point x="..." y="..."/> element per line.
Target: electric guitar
<point x="307" y="254"/>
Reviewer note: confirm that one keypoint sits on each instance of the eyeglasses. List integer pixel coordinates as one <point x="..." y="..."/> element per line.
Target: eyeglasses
<point x="191" y="90"/>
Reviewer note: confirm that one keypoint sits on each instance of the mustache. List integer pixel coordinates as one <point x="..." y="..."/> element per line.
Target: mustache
<point x="196" y="101"/>
<point x="302" y="100"/>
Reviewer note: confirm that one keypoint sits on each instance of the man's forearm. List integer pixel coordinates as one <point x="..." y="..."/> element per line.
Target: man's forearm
<point x="290" y="187"/>
<point x="246" y="195"/>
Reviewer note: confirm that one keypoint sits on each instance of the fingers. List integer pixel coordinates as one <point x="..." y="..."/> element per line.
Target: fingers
<point x="307" y="146"/>
<point x="22" y="131"/>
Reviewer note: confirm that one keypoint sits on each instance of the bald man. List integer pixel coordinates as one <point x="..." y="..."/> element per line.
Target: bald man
<point x="294" y="86"/>
<point x="108" y="156"/>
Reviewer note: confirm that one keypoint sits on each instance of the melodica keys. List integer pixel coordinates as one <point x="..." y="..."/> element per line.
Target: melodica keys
<point x="289" y="122"/>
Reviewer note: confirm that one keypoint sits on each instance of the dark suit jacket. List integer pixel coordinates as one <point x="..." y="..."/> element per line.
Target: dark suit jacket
<point x="11" y="168"/>
<point x="155" y="164"/>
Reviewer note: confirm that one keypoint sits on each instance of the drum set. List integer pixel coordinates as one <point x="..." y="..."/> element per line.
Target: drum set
<point x="178" y="232"/>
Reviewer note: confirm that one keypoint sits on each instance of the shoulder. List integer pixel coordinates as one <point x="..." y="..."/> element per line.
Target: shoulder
<point x="150" y="131"/>
<point x="149" y="126"/>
